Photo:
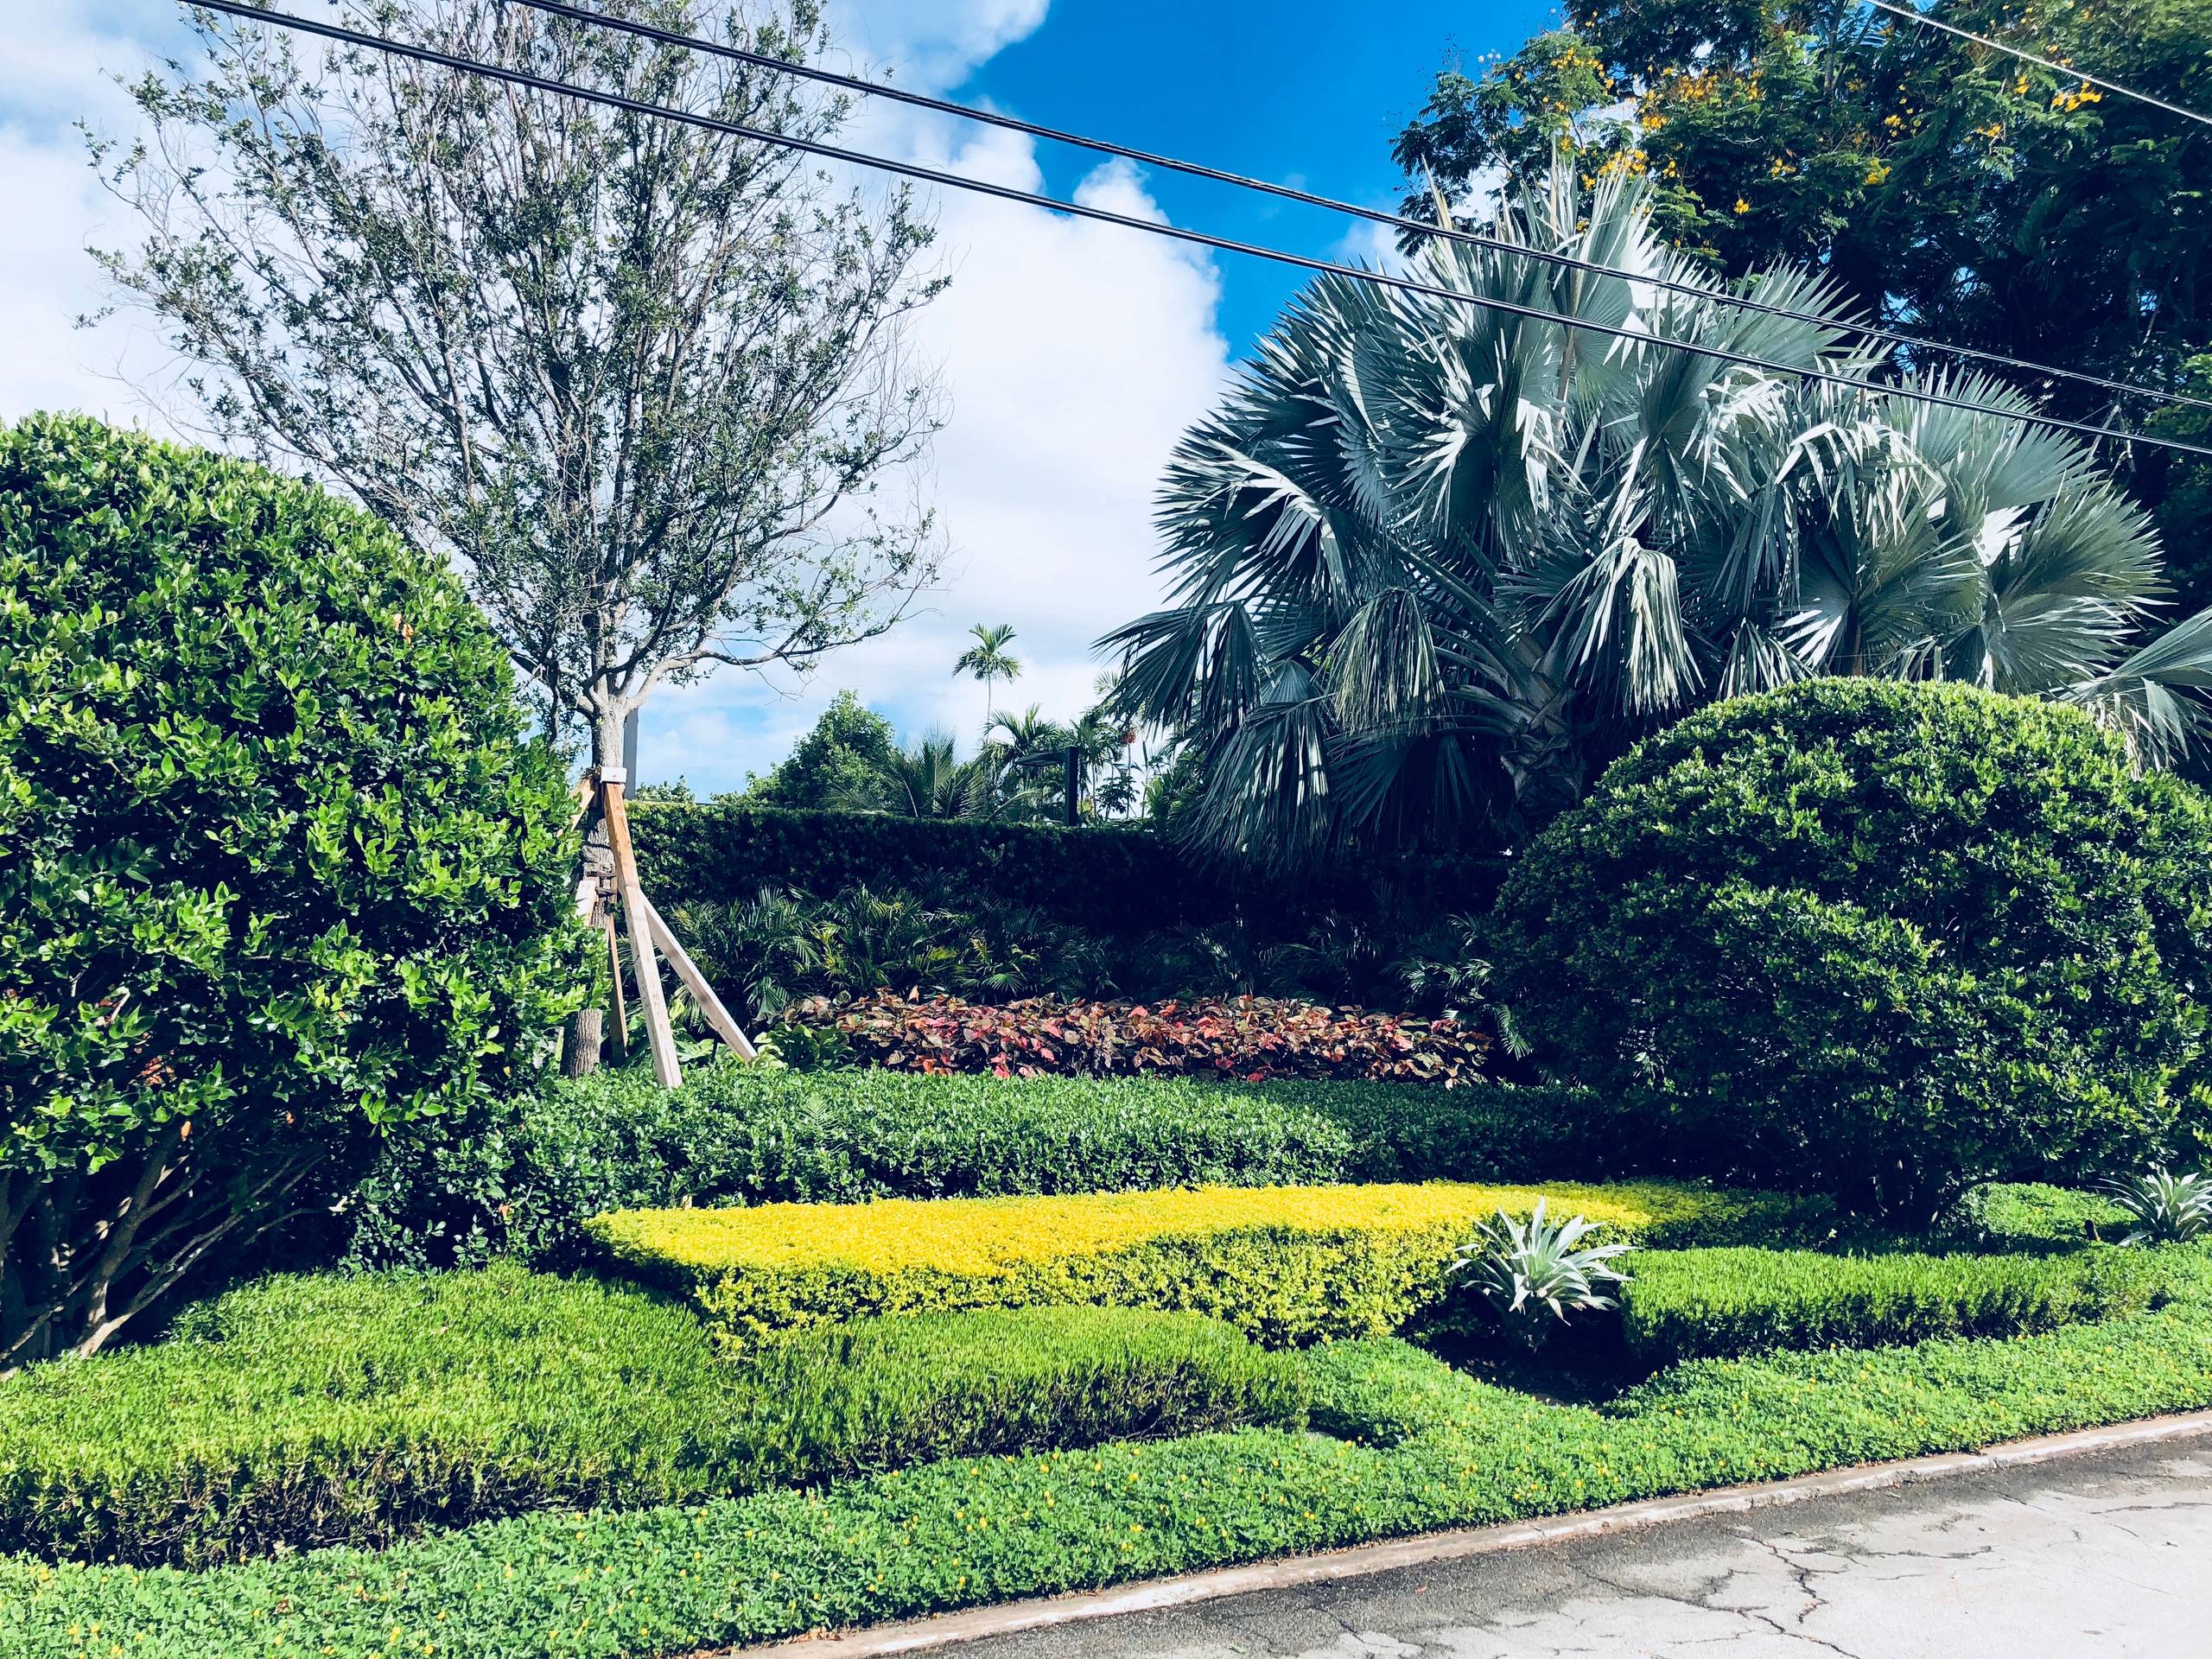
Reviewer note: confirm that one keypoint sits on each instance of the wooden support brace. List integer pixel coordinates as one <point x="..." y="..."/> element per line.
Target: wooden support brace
<point x="660" y="1035"/>
<point x="621" y="1010"/>
<point x="695" y="983"/>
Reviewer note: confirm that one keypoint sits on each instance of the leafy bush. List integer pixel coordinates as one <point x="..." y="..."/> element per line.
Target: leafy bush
<point x="1475" y="1131"/>
<point x="1252" y="1038"/>
<point x="523" y="1179"/>
<point x="1118" y="878"/>
<point x="1878" y="940"/>
<point x="1443" y="1450"/>
<point x="279" y="863"/>
<point x="1285" y="1264"/>
<point x="307" y="1411"/>
<point x="1692" y="1304"/>
<point x="1121" y="879"/>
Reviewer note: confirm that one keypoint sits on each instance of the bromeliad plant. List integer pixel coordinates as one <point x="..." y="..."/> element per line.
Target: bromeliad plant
<point x="1533" y="1274"/>
<point x="2167" y="1208"/>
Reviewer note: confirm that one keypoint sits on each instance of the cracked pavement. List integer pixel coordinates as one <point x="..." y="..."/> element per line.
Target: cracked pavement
<point x="2104" y="1554"/>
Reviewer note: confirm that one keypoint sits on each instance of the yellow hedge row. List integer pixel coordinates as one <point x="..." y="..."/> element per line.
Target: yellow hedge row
<point x="1289" y="1264"/>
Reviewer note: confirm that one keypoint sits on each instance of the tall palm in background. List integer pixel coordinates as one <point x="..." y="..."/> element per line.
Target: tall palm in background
<point x="989" y="661"/>
<point x="1431" y="563"/>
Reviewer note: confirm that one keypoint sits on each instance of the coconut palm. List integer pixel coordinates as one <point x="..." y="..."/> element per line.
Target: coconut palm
<point x="1430" y="563"/>
<point x="989" y="661"/>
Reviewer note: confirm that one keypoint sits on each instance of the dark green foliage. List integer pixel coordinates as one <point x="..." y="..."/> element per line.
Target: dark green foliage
<point x="1115" y="878"/>
<point x="1694" y="1304"/>
<point x="669" y="1581"/>
<point x="279" y="863"/>
<point x="303" y="1412"/>
<point x="1879" y="940"/>
<point x="524" y="1182"/>
<point x="1472" y="1131"/>
<point x="837" y="758"/>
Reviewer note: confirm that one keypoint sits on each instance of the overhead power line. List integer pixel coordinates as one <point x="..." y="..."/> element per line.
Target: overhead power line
<point x="1913" y="14"/>
<point x="1306" y="197"/>
<point x="921" y="173"/>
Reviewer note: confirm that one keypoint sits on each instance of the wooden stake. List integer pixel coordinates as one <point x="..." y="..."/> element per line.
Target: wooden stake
<point x="660" y="1036"/>
<point x="614" y="975"/>
<point x="695" y="983"/>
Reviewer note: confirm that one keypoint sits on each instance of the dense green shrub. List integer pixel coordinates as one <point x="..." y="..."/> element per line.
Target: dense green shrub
<point x="1116" y="878"/>
<point x="1453" y="1452"/>
<point x="1477" y="1131"/>
<point x="279" y="862"/>
<point x="1119" y="879"/>
<point x="307" y="1411"/>
<point x="1695" y="1303"/>
<point x="1879" y="940"/>
<point x="1289" y="1265"/>
<point x="523" y="1179"/>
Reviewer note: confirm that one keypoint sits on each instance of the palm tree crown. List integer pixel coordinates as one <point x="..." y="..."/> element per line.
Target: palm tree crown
<point x="988" y="660"/>
<point x="1430" y="563"/>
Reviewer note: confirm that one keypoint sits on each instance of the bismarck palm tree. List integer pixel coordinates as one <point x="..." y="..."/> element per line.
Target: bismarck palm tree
<point x="1431" y="564"/>
<point x="989" y="661"/>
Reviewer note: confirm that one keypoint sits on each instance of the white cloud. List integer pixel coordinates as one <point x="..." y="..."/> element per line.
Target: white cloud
<point x="1076" y="353"/>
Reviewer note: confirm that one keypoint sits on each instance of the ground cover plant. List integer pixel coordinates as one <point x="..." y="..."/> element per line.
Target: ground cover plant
<point x="306" y="1411"/>
<point x="1880" y="941"/>
<point x="1411" y="1446"/>
<point x="1252" y="1038"/>
<point x="1285" y="1264"/>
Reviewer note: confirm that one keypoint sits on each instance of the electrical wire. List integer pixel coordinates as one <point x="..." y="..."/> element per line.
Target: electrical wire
<point x="1913" y="14"/>
<point x="1306" y="197"/>
<point x="921" y="173"/>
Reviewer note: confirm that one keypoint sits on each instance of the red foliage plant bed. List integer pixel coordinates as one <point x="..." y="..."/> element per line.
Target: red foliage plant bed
<point x="1248" y="1037"/>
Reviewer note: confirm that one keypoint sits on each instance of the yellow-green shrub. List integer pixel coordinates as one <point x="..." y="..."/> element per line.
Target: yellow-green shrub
<point x="1287" y="1264"/>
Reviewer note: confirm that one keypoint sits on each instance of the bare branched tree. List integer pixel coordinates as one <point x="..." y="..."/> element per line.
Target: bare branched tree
<point x="643" y="381"/>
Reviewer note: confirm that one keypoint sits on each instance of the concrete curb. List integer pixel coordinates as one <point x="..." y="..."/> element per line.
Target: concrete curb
<point x="1363" y="1561"/>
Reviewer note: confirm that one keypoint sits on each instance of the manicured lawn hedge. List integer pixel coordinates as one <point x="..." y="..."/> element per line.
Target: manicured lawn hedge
<point x="1690" y="1304"/>
<point x="300" y="1412"/>
<point x="1285" y="1264"/>
<point x="730" y="1136"/>
<point x="666" y="1581"/>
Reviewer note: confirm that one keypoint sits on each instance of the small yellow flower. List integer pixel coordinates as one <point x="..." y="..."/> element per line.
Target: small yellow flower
<point x="1743" y="206"/>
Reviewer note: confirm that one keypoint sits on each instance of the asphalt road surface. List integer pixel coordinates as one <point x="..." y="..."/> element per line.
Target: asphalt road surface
<point x="2108" y="1555"/>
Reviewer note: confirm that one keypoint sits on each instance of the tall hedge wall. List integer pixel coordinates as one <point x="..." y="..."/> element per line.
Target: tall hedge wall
<point x="1121" y="879"/>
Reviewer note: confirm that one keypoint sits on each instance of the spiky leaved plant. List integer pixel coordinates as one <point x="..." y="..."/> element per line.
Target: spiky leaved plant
<point x="2167" y="1208"/>
<point x="1534" y="1274"/>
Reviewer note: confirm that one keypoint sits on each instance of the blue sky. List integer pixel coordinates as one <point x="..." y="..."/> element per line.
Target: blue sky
<point x="1074" y="353"/>
<point x="1302" y="92"/>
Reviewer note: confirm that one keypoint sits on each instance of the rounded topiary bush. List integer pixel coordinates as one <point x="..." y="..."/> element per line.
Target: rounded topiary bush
<point x="1874" y="940"/>
<point x="279" y="862"/>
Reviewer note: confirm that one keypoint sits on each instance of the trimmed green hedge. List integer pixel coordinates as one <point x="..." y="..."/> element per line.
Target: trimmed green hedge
<point x="303" y="1412"/>
<point x="1879" y="940"/>
<point x="1288" y="1265"/>
<point x="953" y="1535"/>
<point x="1118" y="879"/>
<point x="1692" y="1304"/>
<point x="523" y="1183"/>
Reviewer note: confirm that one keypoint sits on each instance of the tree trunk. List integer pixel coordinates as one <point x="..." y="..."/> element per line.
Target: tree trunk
<point x="586" y="1037"/>
<point x="581" y="1045"/>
